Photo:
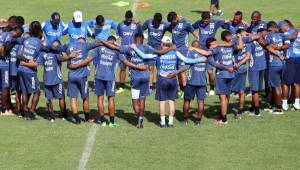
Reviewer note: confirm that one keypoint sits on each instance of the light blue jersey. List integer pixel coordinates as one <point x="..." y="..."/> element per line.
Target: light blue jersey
<point x="104" y="31"/>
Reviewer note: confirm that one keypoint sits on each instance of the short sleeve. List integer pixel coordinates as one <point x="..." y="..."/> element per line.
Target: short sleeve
<point x="40" y="60"/>
<point x="95" y="55"/>
<point x="125" y="49"/>
<point x="149" y="50"/>
<point x="121" y="57"/>
<point x="196" y="25"/>
<point x="114" y="25"/>
<point x="189" y="27"/>
<point x="219" y="23"/>
<point x="145" y="25"/>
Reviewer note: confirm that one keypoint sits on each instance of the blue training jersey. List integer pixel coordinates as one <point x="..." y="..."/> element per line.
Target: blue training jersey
<point x="32" y="48"/>
<point x="254" y="27"/>
<point x="83" y="49"/>
<point x="104" y="31"/>
<point x="275" y="39"/>
<point x="224" y="56"/>
<point x="232" y="27"/>
<point x="106" y="60"/>
<point x="196" y="74"/>
<point x="77" y="32"/>
<point x="13" y="62"/>
<point x="155" y="35"/>
<point x="52" y="65"/>
<point x="167" y="63"/>
<point x="52" y="33"/>
<point x="180" y="35"/>
<point x="4" y="38"/>
<point x="207" y="31"/>
<point x="294" y="48"/>
<point x="127" y="32"/>
<point x="133" y="57"/>
<point x="258" y="57"/>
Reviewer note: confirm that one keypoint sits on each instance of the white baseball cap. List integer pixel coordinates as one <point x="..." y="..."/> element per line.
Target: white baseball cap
<point x="77" y="16"/>
<point x="166" y="40"/>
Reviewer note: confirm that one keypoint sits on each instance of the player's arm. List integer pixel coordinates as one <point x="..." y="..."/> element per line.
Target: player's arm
<point x="164" y="51"/>
<point x="243" y="61"/>
<point x="69" y="57"/>
<point x="30" y="64"/>
<point x="190" y="60"/>
<point x="277" y="53"/>
<point x="141" y="54"/>
<point x="83" y="63"/>
<point x="240" y="45"/>
<point x="137" y="67"/>
<point x="112" y="46"/>
<point x="202" y="52"/>
<point x="180" y="70"/>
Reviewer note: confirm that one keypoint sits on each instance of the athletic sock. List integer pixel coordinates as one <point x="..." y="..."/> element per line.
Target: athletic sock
<point x="219" y="10"/>
<point x="112" y="119"/>
<point x="256" y="110"/>
<point x="163" y="120"/>
<point x="285" y="104"/>
<point x="170" y="120"/>
<point x="101" y="119"/>
<point x="297" y="101"/>
<point x="212" y="87"/>
<point x="122" y="85"/>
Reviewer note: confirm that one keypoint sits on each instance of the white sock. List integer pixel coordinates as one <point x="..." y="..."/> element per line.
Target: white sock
<point x="163" y="120"/>
<point x="219" y="10"/>
<point x="284" y="104"/>
<point x="140" y="117"/>
<point x="297" y="102"/>
<point x="171" y="120"/>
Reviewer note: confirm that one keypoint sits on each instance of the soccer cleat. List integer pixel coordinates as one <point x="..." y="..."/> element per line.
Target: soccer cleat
<point x="185" y="121"/>
<point x="170" y="126"/>
<point x="64" y="116"/>
<point x="269" y="109"/>
<point x="296" y="107"/>
<point x="197" y="122"/>
<point x="51" y="117"/>
<point x="77" y="119"/>
<point x="285" y="108"/>
<point x="220" y="122"/>
<point x="31" y="116"/>
<point x="102" y="124"/>
<point x="238" y="116"/>
<point x="162" y="125"/>
<point x="212" y="93"/>
<point x="220" y="13"/>
<point x="120" y="90"/>
<point x="277" y="112"/>
<point x="113" y="125"/>
<point x="249" y="95"/>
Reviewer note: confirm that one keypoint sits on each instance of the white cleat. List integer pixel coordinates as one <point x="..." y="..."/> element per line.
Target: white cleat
<point x="212" y="93"/>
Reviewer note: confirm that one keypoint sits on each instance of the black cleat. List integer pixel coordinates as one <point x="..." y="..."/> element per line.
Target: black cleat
<point x="77" y="119"/>
<point x="140" y="124"/>
<point x="185" y="121"/>
<point x="162" y="125"/>
<point x="197" y="122"/>
<point x="51" y="117"/>
<point x="170" y="126"/>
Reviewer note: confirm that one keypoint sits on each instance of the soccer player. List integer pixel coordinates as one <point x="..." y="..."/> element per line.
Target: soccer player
<point x="53" y="80"/>
<point x="53" y="28"/>
<point x="126" y="31"/>
<point x="102" y="27"/>
<point x="291" y="69"/>
<point x="196" y="85"/>
<point x="156" y="30"/>
<point x="77" y="28"/>
<point x="215" y="5"/>
<point x="239" y="82"/>
<point x="6" y="37"/>
<point x="180" y="29"/>
<point x="78" y="76"/>
<point x="256" y="22"/>
<point x="207" y="29"/>
<point x="105" y="78"/>
<point x="27" y="71"/>
<point x="257" y="67"/>
<point x="236" y="23"/>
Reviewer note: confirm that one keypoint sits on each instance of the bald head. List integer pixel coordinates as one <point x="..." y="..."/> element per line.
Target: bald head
<point x="256" y="17"/>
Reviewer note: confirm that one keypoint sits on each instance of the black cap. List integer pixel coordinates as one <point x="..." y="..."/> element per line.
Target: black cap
<point x="55" y="16"/>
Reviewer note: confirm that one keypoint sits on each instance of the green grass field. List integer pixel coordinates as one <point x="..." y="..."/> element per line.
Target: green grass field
<point x="268" y="142"/>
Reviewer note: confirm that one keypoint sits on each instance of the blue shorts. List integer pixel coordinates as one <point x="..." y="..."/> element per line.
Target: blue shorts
<point x="54" y="91"/>
<point x="256" y="79"/>
<point x="4" y="71"/>
<point x="104" y="87"/>
<point x="291" y="71"/>
<point x="142" y="85"/>
<point x="214" y="2"/>
<point x="223" y="86"/>
<point x="275" y="75"/>
<point x="239" y="82"/>
<point x="78" y="84"/>
<point x="166" y="89"/>
<point x="190" y="91"/>
<point x="29" y="82"/>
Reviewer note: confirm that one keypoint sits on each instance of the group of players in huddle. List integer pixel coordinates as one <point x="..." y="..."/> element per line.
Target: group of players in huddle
<point x="266" y="51"/>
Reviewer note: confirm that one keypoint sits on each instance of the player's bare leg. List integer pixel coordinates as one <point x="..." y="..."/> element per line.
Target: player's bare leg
<point x="171" y="112"/>
<point x="86" y="110"/>
<point x="296" y="104"/>
<point x="63" y="108"/>
<point x="212" y="81"/>
<point x="162" y="114"/>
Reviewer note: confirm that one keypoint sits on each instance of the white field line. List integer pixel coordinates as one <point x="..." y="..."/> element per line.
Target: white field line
<point x="88" y="147"/>
<point x="93" y="130"/>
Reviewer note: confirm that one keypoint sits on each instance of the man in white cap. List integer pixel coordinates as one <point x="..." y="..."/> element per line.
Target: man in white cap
<point x="77" y="28"/>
